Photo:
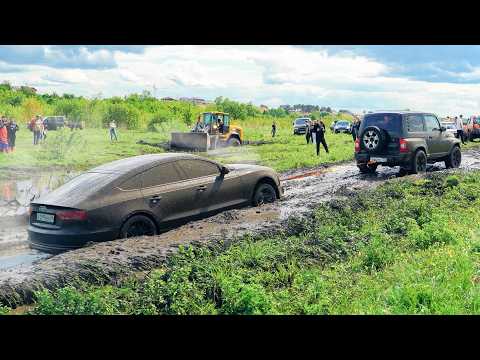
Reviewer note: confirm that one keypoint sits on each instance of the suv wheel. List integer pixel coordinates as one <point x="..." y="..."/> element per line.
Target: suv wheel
<point x="419" y="163"/>
<point x="454" y="159"/>
<point x="367" y="169"/>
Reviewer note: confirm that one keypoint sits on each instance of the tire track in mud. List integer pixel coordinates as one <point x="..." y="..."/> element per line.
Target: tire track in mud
<point x="110" y="261"/>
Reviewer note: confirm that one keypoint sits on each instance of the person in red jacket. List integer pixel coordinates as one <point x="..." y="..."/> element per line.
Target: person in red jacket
<point x="3" y="137"/>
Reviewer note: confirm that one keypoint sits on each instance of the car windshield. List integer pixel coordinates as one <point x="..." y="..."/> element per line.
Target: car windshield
<point x="388" y="122"/>
<point x="343" y="123"/>
<point x="300" y="121"/>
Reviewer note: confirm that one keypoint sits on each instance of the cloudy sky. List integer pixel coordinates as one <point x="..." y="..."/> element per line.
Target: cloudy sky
<point x="441" y="79"/>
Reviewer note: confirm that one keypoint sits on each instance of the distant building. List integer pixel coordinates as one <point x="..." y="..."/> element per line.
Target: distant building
<point x="263" y="108"/>
<point x="25" y="88"/>
<point x="167" y="99"/>
<point x="194" y="100"/>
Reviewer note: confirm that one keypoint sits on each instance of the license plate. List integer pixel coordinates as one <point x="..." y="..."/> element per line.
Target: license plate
<point x="46" y="218"/>
<point x="378" y="159"/>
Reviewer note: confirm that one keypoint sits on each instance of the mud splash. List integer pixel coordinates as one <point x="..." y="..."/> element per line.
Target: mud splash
<point x="108" y="262"/>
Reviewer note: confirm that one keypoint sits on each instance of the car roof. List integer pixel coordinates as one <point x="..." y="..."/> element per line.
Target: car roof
<point x="399" y="112"/>
<point x="136" y="164"/>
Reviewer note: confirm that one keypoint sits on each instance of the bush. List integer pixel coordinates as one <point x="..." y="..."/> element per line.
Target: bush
<point x="123" y="115"/>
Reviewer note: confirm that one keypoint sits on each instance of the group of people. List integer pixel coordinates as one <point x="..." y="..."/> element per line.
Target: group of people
<point x="38" y="128"/>
<point x="316" y="134"/>
<point x="8" y="134"/>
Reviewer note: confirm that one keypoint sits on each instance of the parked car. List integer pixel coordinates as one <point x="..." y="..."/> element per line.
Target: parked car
<point x="343" y="126"/>
<point x="450" y="128"/>
<point x="144" y="195"/>
<point x="300" y="125"/>
<point x="406" y="139"/>
<point x="471" y="128"/>
<point x="54" y="122"/>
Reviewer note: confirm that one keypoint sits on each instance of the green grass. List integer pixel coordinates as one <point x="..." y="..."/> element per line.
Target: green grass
<point x="91" y="147"/>
<point x="408" y="247"/>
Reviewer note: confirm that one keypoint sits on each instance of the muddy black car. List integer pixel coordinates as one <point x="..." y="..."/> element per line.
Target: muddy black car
<point x="144" y="195"/>
<point x="410" y="140"/>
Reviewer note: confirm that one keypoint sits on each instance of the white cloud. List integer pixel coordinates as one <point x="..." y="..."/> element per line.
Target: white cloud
<point x="271" y="75"/>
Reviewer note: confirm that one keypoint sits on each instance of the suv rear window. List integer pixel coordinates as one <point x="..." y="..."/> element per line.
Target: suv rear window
<point x="388" y="122"/>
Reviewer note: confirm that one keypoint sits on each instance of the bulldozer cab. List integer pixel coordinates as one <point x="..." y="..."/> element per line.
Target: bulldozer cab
<point x="216" y="122"/>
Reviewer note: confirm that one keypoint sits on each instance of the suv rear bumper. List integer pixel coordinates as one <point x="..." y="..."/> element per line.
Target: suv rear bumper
<point x="390" y="160"/>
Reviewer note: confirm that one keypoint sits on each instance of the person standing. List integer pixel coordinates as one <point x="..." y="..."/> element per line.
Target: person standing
<point x="274" y="129"/>
<point x="459" y="125"/>
<point x="3" y="136"/>
<point x="319" y="131"/>
<point x="37" y="130"/>
<point x="12" y="129"/>
<point x="113" y="131"/>
<point x="308" y="132"/>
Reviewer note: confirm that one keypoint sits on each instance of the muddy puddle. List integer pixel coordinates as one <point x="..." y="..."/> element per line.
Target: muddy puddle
<point x="15" y="196"/>
<point x="109" y="261"/>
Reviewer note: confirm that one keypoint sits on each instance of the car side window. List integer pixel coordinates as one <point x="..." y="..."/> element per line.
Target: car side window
<point x="134" y="183"/>
<point x="415" y="123"/>
<point x="431" y="123"/>
<point x="160" y="175"/>
<point x="197" y="168"/>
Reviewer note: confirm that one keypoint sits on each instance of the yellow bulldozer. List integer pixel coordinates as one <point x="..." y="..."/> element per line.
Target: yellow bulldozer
<point x="212" y="129"/>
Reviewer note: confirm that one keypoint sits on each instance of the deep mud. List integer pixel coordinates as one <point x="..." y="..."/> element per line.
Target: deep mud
<point x="110" y="261"/>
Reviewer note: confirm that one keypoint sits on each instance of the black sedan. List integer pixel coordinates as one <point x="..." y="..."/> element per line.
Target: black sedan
<point x="144" y="195"/>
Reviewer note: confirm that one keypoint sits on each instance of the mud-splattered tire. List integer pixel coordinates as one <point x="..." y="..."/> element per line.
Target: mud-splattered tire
<point x="138" y="225"/>
<point x="454" y="159"/>
<point x="367" y="169"/>
<point x="419" y="162"/>
<point x="264" y="193"/>
<point x="233" y="141"/>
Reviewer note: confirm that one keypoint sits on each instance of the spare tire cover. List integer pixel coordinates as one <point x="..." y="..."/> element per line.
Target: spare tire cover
<point x="373" y="139"/>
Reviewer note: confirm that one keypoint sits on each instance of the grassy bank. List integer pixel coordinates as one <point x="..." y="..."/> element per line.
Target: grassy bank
<point x="408" y="247"/>
<point x="83" y="149"/>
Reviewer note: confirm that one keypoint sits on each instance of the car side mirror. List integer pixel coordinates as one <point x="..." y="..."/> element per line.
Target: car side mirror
<point x="224" y="170"/>
<point x="443" y="128"/>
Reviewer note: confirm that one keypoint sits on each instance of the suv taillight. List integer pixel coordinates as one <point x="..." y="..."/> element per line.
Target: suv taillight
<point x="357" y="145"/>
<point x="403" y="146"/>
<point x="72" y="215"/>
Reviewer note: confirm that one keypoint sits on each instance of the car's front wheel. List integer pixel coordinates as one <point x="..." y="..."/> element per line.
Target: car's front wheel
<point x="264" y="193"/>
<point x="419" y="163"/>
<point x="138" y="225"/>
<point x="454" y="159"/>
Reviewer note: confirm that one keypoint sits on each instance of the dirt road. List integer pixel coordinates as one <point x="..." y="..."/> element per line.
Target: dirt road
<point x="23" y="272"/>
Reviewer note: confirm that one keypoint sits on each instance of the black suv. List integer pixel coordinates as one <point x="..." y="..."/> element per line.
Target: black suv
<point x="407" y="139"/>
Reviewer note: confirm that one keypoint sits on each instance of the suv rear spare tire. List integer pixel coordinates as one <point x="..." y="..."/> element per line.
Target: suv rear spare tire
<point x="419" y="162"/>
<point x="373" y="139"/>
<point x="454" y="159"/>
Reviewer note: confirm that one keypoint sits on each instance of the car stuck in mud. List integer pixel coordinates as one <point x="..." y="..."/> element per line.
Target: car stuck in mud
<point x="144" y="195"/>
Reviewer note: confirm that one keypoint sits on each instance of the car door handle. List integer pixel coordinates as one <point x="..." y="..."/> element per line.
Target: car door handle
<point x="201" y="188"/>
<point x="155" y="199"/>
